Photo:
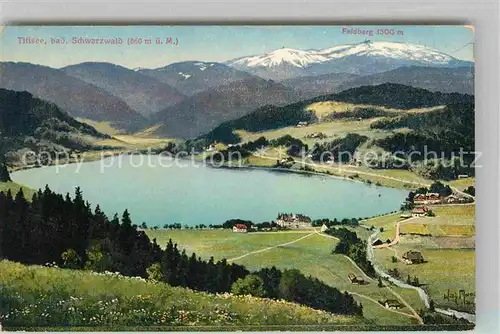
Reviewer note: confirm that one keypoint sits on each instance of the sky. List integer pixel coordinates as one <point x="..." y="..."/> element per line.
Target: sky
<point x="209" y="43"/>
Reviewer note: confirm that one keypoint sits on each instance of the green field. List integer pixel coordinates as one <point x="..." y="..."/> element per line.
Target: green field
<point x="310" y="253"/>
<point x="37" y="298"/>
<point x="449" y="251"/>
<point x="445" y="269"/>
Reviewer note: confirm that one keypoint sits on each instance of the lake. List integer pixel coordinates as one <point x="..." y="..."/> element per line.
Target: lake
<point x="163" y="191"/>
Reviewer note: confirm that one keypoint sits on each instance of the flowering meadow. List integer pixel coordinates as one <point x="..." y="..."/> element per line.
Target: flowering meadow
<point x="34" y="297"/>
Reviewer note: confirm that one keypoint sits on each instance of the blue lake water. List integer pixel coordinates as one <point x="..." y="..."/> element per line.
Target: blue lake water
<point x="202" y="195"/>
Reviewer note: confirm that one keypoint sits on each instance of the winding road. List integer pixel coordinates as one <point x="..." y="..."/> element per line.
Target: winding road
<point x="422" y="294"/>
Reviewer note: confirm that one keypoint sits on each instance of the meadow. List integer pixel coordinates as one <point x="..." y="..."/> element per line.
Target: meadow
<point x="445" y="271"/>
<point x="41" y="298"/>
<point x="14" y="188"/>
<point x="448" y="251"/>
<point x="307" y="251"/>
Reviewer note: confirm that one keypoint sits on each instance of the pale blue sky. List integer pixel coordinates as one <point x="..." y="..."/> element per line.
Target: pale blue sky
<point x="210" y="43"/>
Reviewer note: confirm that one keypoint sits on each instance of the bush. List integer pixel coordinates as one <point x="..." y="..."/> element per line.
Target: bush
<point x="249" y="285"/>
<point x="71" y="259"/>
<point x="154" y="272"/>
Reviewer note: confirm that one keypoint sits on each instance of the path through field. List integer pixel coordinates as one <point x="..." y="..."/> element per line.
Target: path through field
<point x="272" y="247"/>
<point x="414" y="313"/>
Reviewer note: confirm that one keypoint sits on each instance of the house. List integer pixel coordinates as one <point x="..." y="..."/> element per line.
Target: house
<point x="406" y="215"/>
<point x="433" y="198"/>
<point x="301" y="124"/>
<point x="429" y="198"/>
<point x="292" y="220"/>
<point x="413" y="257"/>
<point x="211" y="148"/>
<point x="419" y="211"/>
<point x="463" y="176"/>
<point x="240" y="228"/>
<point x="355" y="279"/>
<point x="452" y="199"/>
<point x="324" y="228"/>
<point x="391" y="304"/>
<point x="377" y="242"/>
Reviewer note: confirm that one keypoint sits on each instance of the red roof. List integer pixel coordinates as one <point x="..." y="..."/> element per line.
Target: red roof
<point x="241" y="227"/>
<point x="420" y="210"/>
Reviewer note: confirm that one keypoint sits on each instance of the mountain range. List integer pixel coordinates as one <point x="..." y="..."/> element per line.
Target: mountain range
<point x="142" y="93"/>
<point x="435" y="79"/>
<point x="75" y="96"/>
<point x="203" y="111"/>
<point x="187" y="99"/>
<point x="191" y="77"/>
<point x="363" y="58"/>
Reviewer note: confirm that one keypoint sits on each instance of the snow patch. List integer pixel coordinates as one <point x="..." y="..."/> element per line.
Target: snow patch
<point x="186" y="76"/>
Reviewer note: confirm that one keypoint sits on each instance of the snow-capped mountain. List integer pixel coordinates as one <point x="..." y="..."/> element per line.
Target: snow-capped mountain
<point x="363" y="58"/>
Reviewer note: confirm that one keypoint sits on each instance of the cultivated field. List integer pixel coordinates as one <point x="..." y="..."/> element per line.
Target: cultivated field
<point x="448" y="251"/>
<point x="309" y="252"/>
<point x="445" y="269"/>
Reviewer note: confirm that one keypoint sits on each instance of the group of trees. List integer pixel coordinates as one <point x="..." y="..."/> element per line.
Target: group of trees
<point x="340" y="149"/>
<point x="292" y="285"/>
<point x="61" y="230"/>
<point x="328" y="222"/>
<point x="353" y="247"/>
<point x="4" y="172"/>
<point x="295" y="147"/>
<point x="441" y="134"/>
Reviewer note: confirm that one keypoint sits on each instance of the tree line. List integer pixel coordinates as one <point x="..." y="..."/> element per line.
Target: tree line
<point x="61" y="230"/>
<point x="353" y="247"/>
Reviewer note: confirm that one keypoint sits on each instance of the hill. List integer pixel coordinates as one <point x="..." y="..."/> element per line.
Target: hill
<point x="204" y="111"/>
<point x="142" y="93"/>
<point x="434" y="79"/>
<point x="72" y="95"/>
<point x="385" y="95"/>
<point x="321" y="84"/>
<point x="27" y="122"/>
<point x="191" y="77"/>
<point x="114" y="302"/>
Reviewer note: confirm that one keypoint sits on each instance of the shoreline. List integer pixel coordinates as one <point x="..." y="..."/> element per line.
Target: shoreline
<point x="247" y="167"/>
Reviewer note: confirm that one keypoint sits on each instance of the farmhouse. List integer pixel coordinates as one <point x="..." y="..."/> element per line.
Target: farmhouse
<point x="429" y="198"/>
<point x="377" y="242"/>
<point x="420" y="211"/>
<point x="292" y="220"/>
<point x="413" y="257"/>
<point x="240" y="228"/>
<point x="355" y="279"/>
<point x="391" y="304"/>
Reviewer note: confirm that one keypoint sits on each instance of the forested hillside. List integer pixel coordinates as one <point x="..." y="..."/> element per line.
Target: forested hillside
<point x="27" y="122"/>
<point x="384" y="95"/>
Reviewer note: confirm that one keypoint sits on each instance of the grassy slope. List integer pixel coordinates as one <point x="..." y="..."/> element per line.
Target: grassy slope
<point x="311" y="255"/>
<point x="14" y="188"/>
<point x="106" y="303"/>
<point x="447" y="268"/>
